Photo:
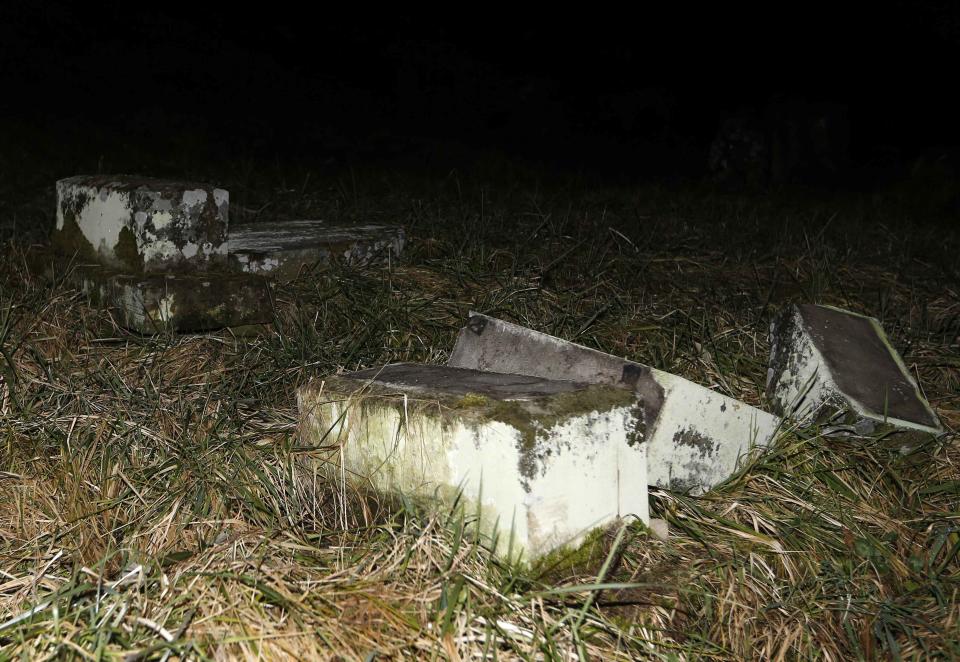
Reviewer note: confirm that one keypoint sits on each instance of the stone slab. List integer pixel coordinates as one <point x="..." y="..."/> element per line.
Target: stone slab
<point x="142" y="225"/>
<point x="544" y="461"/>
<point x="824" y="360"/>
<point x="286" y="248"/>
<point x="155" y="303"/>
<point x="695" y="436"/>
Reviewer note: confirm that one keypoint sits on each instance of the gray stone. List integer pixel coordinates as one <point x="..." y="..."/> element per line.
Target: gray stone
<point x="286" y="248"/>
<point x="543" y="461"/>
<point x="695" y="437"/>
<point x="142" y="225"/>
<point x="154" y="303"/>
<point x="660" y="529"/>
<point x="825" y="360"/>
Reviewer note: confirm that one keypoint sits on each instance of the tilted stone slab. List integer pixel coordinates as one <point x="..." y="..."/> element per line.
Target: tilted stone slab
<point x="138" y="224"/>
<point x="286" y="248"/>
<point x="695" y="436"/>
<point x="155" y="303"/>
<point x="825" y="360"/>
<point x="547" y="460"/>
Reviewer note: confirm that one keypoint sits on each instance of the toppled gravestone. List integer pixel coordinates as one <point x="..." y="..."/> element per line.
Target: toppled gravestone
<point x="825" y="361"/>
<point x="695" y="437"/>
<point x="137" y="224"/>
<point x="163" y="255"/>
<point x="544" y="461"/>
<point x="287" y="248"/>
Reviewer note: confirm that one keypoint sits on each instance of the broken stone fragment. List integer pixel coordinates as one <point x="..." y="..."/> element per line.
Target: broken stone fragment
<point x="155" y="303"/>
<point x="660" y="529"/>
<point x="544" y="461"/>
<point x="825" y="360"/>
<point x="286" y="248"/>
<point x="695" y="436"/>
<point x="142" y="225"/>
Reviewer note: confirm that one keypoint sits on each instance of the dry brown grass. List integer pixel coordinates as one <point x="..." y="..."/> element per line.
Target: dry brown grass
<point x="156" y="503"/>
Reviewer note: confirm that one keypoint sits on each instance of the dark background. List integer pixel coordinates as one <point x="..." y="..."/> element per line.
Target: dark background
<point x="593" y="88"/>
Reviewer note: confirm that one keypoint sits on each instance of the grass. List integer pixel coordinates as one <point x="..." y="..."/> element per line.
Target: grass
<point x="156" y="502"/>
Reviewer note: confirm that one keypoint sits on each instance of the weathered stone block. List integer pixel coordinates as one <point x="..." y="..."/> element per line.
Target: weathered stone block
<point x="546" y="460"/>
<point x="285" y="248"/>
<point x="825" y="360"/>
<point x="695" y="437"/>
<point x="142" y="225"/>
<point x="180" y="303"/>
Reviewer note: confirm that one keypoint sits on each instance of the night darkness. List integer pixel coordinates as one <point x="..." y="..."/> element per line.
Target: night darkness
<point x="274" y="284"/>
<point x="638" y="94"/>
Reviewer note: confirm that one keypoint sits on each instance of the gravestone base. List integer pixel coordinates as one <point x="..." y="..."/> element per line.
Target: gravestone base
<point x="158" y="303"/>
<point x="543" y="462"/>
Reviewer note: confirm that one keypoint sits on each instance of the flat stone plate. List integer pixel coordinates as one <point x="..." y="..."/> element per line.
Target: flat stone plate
<point x="285" y="248"/>
<point x="864" y="365"/>
<point x="463" y="381"/>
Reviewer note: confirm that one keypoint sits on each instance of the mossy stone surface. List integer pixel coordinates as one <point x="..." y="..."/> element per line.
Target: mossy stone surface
<point x="527" y="404"/>
<point x="545" y="460"/>
<point x="183" y="303"/>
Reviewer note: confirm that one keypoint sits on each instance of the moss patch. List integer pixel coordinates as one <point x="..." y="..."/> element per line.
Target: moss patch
<point x="472" y="400"/>
<point x="585" y="559"/>
<point x="530" y="418"/>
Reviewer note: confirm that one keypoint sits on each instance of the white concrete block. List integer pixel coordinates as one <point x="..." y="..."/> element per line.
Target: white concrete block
<point x="695" y="436"/>
<point x="825" y="360"/>
<point x="142" y="225"/>
<point x="546" y="460"/>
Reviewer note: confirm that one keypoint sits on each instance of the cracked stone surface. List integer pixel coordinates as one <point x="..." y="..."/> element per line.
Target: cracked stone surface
<point x="825" y="360"/>
<point x="545" y="461"/>
<point x="142" y="225"/>
<point x="695" y="437"/>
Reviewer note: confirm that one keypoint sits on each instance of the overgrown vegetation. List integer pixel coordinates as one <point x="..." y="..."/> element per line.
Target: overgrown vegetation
<point x="156" y="502"/>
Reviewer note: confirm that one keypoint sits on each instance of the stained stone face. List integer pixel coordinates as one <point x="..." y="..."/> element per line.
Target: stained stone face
<point x="286" y="248"/>
<point x="824" y="360"/>
<point x="155" y="303"/>
<point x="139" y="225"/>
<point x="544" y="461"/>
<point x="695" y="437"/>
